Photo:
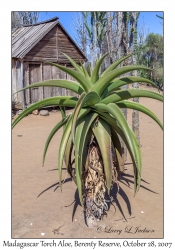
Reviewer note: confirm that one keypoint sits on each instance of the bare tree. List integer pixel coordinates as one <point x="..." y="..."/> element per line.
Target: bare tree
<point x="89" y="33"/>
<point x="119" y="31"/>
<point x="80" y="32"/>
<point x="20" y="18"/>
<point x="123" y="50"/>
<point x="133" y="46"/>
<point x="109" y="36"/>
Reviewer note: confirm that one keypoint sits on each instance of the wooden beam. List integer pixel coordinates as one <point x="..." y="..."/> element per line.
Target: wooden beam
<point x="22" y="85"/>
<point x="57" y="43"/>
<point x="42" y="88"/>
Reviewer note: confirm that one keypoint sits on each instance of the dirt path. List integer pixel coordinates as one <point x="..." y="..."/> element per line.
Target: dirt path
<point x="41" y="210"/>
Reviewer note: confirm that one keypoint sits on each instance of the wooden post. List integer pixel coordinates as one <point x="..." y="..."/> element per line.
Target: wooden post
<point x="29" y="95"/>
<point x="42" y="88"/>
<point x="22" y="84"/>
<point x="26" y="83"/>
<point x="57" y="43"/>
<point x="66" y="79"/>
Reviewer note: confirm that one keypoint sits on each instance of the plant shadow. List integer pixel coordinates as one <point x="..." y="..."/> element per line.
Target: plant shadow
<point x="57" y="185"/>
<point x="116" y="190"/>
<point x="112" y="198"/>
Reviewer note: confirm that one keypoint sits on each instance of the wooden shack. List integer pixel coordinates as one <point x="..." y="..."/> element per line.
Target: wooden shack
<point x="32" y="46"/>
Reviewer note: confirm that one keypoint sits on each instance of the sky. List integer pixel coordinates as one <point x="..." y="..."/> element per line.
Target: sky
<point x="151" y="22"/>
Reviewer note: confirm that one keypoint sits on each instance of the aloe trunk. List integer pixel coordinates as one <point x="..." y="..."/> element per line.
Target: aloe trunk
<point x="95" y="183"/>
<point x="94" y="186"/>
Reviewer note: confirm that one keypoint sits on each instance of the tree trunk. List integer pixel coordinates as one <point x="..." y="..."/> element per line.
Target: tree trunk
<point x="84" y="39"/>
<point x="94" y="56"/>
<point x="122" y="43"/>
<point x="132" y="45"/>
<point x="109" y="36"/>
<point x="119" y="17"/>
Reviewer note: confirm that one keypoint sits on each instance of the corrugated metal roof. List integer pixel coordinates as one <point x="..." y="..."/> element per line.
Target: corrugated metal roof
<point x="25" y="38"/>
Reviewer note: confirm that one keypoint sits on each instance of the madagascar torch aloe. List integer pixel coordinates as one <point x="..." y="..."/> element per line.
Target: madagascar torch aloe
<point x="92" y="132"/>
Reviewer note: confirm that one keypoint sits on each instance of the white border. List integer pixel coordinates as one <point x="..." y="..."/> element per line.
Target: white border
<point x="5" y="94"/>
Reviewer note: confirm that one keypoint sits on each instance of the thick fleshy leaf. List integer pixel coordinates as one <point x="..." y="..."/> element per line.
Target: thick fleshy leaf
<point x="137" y="171"/>
<point x="112" y="122"/>
<point x="63" y="113"/>
<point x="84" y="130"/>
<point x="71" y="85"/>
<point x="77" y="167"/>
<point x="67" y="158"/>
<point x="63" y="143"/>
<point x="118" y="149"/>
<point x="123" y="81"/>
<point x="139" y="107"/>
<point x="131" y="139"/>
<point x="85" y="100"/>
<point x="84" y="82"/>
<point x="105" y="81"/>
<point x="75" y="115"/>
<point x="85" y="160"/>
<point x="85" y="71"/>
<point x="131" y="93"/>
<point x="90" y="99"/>
<point x="117" y="114"/>
<point x="52" y="133"/>
<point x="103" y="136"/>
<point x="83" y="112"/>
<point x="115" y="64"/>
<point x="67" y="101"/>
<point x="74" y="64"/>
<point x="95" y="72"/>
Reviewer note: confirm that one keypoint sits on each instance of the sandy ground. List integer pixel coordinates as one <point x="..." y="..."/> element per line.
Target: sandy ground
<point x="41" y="210"/>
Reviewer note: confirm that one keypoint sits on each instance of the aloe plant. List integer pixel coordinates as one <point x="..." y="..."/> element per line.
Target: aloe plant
<point x="92" y="132"/>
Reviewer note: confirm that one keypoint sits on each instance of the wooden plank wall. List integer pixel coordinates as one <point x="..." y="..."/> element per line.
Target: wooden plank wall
<point x="48" y="49"/>
<point x="51" y="72"/>
<point x="26" y="82"/>
<point x="47" y="75"/>
<point x="65" y="45"/>
<point x="45" y="49"/>
<point x="16" y="80"/>
<point x="36" y="94"/>
<point x="57" y="74"/>
<point x="14" y="97"/>
<point x="33" y="73"/>
<point x="51" y="47"/>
